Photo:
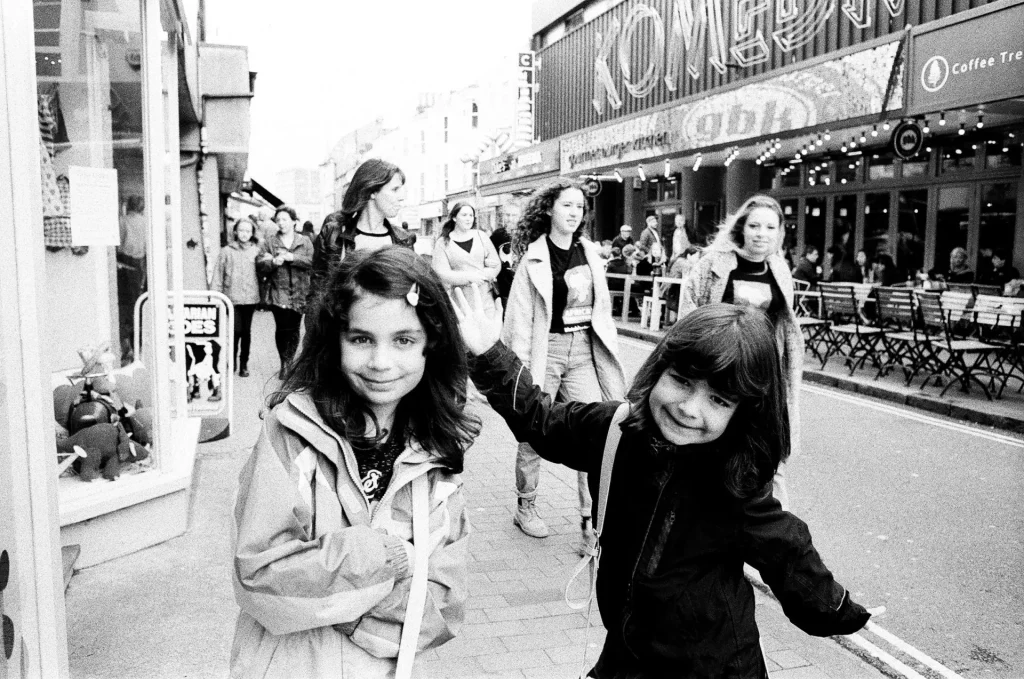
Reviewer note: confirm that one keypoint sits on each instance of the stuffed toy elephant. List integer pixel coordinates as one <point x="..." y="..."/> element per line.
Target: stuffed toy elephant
<point x="106" y="446"/>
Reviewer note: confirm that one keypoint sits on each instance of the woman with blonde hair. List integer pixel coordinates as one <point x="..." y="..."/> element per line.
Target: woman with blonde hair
<point x="744" y="266"/>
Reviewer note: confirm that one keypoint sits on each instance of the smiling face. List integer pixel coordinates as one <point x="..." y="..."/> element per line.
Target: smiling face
<point x="760" y="233"/>
<point x="465" y="219"/>
<point x="862" y="258"/>
<point x="567" y="212"/>
<point x="390" y="198"/>
<point x="383" y="352"/>
<point x="689" y="411"/>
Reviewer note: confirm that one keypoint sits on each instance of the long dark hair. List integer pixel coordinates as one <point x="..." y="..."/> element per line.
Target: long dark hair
<point x="449" y="224"/>
<point x="369" y="178"/>
<point x="536" y="219"/>
<point x="435" y="409"/>
<point x="734" y="349"/>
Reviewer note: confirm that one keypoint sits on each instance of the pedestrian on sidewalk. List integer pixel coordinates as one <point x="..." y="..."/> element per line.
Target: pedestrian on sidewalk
<point x="689" y="499"/>
<point x="359" y="455"/>
<point x="463" y="256"/>
<point x="374" y="196"/>
<point x="285" y="258"/>
<point x="559" y="323"/>
<point x="744" y="267"/>
<point x="235" y="276"/>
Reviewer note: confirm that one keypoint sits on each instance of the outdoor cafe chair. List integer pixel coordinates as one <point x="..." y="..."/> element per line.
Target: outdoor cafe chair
<point x="950" y="355"/>
<point x="905" y="344"/>
<point x="806" y="304"/>
<point x="1000" y="320"/>
<point x="848" y="335"/>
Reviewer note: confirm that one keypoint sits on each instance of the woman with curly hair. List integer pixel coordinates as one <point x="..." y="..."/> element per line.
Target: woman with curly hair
<point x="559" y="324"/>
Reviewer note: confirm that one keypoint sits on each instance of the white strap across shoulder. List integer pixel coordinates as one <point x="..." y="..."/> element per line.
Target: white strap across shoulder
<point x="418" y="591"/>
<point x="592" y="556"/>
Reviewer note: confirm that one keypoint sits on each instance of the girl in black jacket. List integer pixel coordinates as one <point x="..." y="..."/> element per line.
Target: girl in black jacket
<point x="690" y="498"/>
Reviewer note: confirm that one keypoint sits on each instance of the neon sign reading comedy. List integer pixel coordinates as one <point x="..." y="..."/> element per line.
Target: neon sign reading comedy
<point x="695" y="24"/>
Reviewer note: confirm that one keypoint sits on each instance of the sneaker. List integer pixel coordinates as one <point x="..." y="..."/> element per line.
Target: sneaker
<point x="243" y="372"/>
<point x="588" y="538"/>
<point x="528" y="521"/>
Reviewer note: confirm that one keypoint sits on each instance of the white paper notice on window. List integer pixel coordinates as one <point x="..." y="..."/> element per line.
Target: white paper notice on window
<point x="93" y="206"/>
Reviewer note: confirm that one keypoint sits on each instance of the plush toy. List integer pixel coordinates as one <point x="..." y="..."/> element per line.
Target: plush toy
<point x="141" y="424"/>
<point x="106" y="446"/>
<point x="63" y="398"/>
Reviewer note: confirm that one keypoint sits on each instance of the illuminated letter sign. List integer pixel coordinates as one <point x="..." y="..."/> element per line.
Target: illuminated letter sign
<point x="643" y="86"/>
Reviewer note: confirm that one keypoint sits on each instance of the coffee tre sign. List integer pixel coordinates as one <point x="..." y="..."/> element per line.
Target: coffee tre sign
<point x="953" y="67"/>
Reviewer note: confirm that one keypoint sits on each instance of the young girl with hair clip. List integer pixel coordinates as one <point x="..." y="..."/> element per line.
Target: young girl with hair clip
<point x="235" y="276"/>
<point x="352" y="493"/>
<point x="373" y="198"/>
<point x="690" y="495"/>
<point x="559" y="323"/>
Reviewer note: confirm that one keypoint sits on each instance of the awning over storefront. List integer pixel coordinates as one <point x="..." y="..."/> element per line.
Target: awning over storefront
<point x="830" y="91"/>
<point x="262" y="191"/>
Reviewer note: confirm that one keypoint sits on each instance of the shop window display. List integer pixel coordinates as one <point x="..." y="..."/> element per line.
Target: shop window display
<point x="997" y="218"/>
<point x="96" y="231"/>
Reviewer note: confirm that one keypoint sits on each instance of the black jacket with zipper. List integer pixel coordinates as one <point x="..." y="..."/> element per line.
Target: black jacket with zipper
<point x="671" y="588"/>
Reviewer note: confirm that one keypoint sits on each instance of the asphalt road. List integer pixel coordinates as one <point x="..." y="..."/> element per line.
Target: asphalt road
<point x="919" y="514"/>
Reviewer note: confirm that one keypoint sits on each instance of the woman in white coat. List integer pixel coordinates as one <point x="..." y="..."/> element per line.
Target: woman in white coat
<point x="559" y="323"/>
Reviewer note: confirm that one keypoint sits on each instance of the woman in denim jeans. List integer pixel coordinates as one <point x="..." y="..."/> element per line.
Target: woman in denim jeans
<point x="559" y="323"/>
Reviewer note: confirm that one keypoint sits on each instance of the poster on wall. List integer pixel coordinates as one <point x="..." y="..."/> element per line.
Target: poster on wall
<point x="94" y="213"/>
<point x="207" y="355"/>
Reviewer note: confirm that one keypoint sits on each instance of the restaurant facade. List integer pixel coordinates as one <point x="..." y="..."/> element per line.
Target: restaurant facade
<point x="892" y="126"/>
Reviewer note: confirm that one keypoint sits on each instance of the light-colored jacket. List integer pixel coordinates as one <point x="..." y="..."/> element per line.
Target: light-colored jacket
<point x="311" y="572"/>
<point x="706" y="284"/>
<point x="451" y="263"/>
<point x="235" y="273"/>
<point x="528" y="318"/>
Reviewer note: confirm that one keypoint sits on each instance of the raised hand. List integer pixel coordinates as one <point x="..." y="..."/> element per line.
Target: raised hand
<point x="480" y="329"/>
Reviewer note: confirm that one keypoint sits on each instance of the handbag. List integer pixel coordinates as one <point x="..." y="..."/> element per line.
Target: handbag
<point x="266" y="286"/>
<point x="591" y="559"/>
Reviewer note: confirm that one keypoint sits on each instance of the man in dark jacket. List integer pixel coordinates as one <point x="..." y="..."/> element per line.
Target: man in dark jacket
<point x="1001" y="272"/>
<point x="807" y="268"/>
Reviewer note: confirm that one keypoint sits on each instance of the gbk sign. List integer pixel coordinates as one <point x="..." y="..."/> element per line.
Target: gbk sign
<point x="969" y="62"/>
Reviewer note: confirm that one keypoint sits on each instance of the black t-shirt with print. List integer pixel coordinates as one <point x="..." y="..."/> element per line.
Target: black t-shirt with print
<point x="572" y="288"/>
<point x="752" y="284"/>
<point x="376" y="465"/>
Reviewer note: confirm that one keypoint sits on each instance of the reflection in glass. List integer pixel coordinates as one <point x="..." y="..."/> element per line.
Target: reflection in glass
<point x="956" y="155"/>
<point x="913" y="211"/>
<point x="997" y="219"/>
<point x="876" y="224"/>
<point x="814" y="223"/>
<point x="789" y="215"/>
<point x="952" y="222"/>
<point x="1003" y="151"/>
<point x="881" y="166"/>
<point x="848" y="169"/>
<point x="844" y="223"/>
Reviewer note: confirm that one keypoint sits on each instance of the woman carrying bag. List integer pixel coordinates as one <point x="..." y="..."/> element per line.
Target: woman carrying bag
<point x="463" y="256"/>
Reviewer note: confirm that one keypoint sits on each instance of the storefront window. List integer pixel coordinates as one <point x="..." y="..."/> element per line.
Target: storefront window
<point x="844" y="223"/>
<point x="789" y="214"/>
<point x="789" y="176"/>
<point x="848" y="170"/>
<point x="652" y="191"/>
<point x="916" y="166"/>
<point x="1004" y="151"/>
<point x="96" y="225"/>
<point x="881" y="166"/>
<point x="814" y="223"/>
<point x="670" y="190"/>
<point x="997" y="218"/>
<point x="876" y="224"/>
<point x="819" y="173"/>
<point x="765" y="178"/>
<point x="957" y="156"/>
<point x="913" y="206"/>
<point x="952" y="221"/>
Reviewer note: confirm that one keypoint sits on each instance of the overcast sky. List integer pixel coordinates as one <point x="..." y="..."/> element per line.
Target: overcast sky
<point x="325" y="67"/>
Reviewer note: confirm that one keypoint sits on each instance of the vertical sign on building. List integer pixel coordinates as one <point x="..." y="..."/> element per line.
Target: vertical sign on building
<point x="525" y="81"/>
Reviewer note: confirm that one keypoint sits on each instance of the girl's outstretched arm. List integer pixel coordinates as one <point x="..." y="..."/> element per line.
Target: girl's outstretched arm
<point x="779" y="546"/>
<point x="570" y="433"/>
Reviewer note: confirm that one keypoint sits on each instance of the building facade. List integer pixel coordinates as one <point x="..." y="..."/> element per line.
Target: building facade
<point x="123" y="136"/>
<point x="891" y="126"/>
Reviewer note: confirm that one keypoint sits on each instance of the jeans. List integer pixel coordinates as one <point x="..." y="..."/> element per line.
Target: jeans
<point x="243" y="332"/>
<point x="570" y="373"/>
<point x="286" y="332"/>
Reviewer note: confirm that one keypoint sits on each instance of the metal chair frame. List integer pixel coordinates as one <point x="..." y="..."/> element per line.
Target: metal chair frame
<point x="906" y="346"/>
<point x="846" y="328"/>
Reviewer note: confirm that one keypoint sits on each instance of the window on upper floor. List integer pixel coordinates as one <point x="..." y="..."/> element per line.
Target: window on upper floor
<point x="475" y="115"/>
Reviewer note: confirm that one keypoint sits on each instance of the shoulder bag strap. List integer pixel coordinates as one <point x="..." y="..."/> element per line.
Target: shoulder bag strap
<point x="592" y="556"/>
<point x="418" y="590"/>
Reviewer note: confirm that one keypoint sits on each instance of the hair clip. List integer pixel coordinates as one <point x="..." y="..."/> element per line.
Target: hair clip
<point x="413" y="296"/>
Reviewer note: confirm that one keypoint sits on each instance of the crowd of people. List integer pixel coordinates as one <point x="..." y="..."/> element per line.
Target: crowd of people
<point x="350" y="521"/>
